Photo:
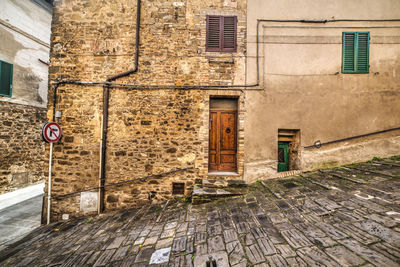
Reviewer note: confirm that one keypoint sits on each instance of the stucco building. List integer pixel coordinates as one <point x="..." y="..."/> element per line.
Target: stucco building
<point x="329" y="70"/>
<point x="156" y="95"/>
<point x="24" y="56"/>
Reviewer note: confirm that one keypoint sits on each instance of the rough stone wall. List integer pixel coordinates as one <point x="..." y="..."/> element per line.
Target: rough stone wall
<point x="25" y="36"/>
<point x="149" y="131"/>
<point x="21" y="146"/>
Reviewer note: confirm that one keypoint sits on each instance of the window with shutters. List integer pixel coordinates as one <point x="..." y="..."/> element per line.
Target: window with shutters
<point x="221" y="34"/>
<point x="355" y="52"/>
<point x="6" y="73"/>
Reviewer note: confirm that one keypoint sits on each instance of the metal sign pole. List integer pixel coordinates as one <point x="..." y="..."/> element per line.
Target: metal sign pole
<point x="49" y="183"/>
<point x="51" y="133"/>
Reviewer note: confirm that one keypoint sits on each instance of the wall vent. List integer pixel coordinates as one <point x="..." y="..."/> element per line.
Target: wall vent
<point x="178" y="188"/>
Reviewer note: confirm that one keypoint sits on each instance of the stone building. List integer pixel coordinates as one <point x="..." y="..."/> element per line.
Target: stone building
<point x="24" y="56"/>
<point x="155" y="95"/>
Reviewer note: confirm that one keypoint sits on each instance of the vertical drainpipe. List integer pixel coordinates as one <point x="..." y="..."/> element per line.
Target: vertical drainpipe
<point x="100" y="169"/>
<point x="106" y="98"/>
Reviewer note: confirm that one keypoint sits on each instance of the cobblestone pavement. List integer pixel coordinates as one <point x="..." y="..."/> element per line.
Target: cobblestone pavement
<point x="348" y="216"/>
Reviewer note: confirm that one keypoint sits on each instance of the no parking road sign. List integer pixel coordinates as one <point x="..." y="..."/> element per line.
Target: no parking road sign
<point x="51" y="132"/>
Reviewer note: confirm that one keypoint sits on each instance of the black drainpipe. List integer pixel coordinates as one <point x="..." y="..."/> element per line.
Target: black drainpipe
<point x="106" y="99"/>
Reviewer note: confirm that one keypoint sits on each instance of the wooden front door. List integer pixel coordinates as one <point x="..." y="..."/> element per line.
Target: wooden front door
<point x="222" y="143"/>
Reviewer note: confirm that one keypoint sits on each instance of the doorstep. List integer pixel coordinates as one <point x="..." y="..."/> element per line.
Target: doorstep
<point x="219" y="173"/>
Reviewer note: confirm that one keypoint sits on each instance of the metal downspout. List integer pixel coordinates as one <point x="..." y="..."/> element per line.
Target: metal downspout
<point x="106" y="100"/>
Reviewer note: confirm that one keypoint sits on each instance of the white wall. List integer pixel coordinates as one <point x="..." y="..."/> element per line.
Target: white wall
<point x="25" y="30"/>
<point x="27" y="16"/>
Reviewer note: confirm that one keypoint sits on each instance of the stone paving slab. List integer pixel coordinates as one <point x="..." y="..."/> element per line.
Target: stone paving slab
<point x="20" y="219"/>
<point x="347" y="216"/>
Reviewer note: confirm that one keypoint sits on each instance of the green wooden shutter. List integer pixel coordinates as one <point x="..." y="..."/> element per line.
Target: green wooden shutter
<point x="6" y="73"/>
<point x="355" y="52"/>
<point x="362" y="52"/>
<point x="348" y="52"/>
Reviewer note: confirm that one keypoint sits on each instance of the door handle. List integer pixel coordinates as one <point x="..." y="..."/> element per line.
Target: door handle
<point x="210" y="124"/>
<point x="228" y="130"/>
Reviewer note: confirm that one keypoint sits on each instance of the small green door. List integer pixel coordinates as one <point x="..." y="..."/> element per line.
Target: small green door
<point x="283" y="156"/>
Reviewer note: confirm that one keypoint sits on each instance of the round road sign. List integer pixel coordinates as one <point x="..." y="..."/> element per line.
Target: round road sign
<point x="51" y="132"/>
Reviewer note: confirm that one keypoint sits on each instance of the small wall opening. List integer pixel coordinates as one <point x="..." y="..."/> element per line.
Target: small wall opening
<point x="288" y="150"/>
<point x="178" y="188"/>
<point x="223" y="103"/>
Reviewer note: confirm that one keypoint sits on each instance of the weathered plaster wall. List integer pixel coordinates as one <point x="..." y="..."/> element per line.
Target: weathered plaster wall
<point x="305" y="89"/>
<point x="150" y="131"/>
<point x="27" y="16"/>
<point x="24" y="35"/>
<point x="361" y="150"/>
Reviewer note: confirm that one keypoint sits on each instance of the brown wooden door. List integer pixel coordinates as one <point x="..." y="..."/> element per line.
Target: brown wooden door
<point x="222" y="143"/>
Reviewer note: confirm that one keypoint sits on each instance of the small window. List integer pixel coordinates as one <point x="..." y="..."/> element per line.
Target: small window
<point x="221" y="34"/>
<point x="223" y="103"/>
<point x="6" y="74"/>
<point x="355" y="52"/>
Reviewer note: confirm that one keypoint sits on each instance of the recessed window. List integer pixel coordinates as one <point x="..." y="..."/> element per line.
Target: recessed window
<point x="355" y="52"/>
<point x="6" y="77"/>
<point x="178" y="188"/>
<point x="221" y="34"/>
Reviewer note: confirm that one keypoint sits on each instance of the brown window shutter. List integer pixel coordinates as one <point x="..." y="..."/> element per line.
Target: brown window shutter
<point x="221" y="34"/>
<point x="213" y="38"/>
<point x="229" y="34"/>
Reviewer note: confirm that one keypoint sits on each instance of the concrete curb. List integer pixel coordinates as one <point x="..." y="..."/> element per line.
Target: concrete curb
<point x="17" y="196"/>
